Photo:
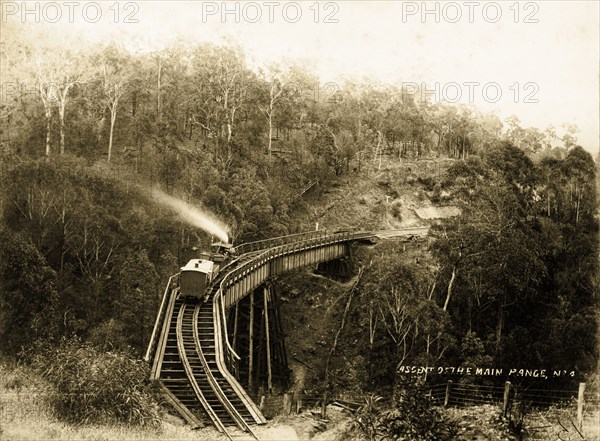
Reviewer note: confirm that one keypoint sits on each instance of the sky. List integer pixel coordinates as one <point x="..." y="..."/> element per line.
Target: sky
<point x="537" y="60"/>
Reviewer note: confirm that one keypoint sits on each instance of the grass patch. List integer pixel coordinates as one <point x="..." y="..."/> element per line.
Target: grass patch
<point x="92" y="386"/>
<point x="27" y="413"/>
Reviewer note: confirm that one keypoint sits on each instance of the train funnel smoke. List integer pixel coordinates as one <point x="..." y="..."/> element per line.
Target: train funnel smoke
<point x="192" y="215"/>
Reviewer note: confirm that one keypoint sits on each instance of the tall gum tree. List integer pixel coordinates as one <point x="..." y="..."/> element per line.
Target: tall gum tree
<point x="57" y="74"/>
<point x="276" y="84"/>
<point x="115" y="78"/>
<point x="47" y="91"/>
<point x="221" y="77"/>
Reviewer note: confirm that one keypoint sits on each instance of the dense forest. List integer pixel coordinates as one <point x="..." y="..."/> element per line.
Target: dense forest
<point x="84" y="134"/>
<point x="512" y="282"/>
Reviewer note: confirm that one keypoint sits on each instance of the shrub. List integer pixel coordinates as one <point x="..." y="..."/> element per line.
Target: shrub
<point x="428" y="182"/>
<point x="472" y="351"/>
<point x="27" y="292"/>
<point x="436" y="197"/>
<point x="365" y="418"/>
<point x="396" y="210"/>
<point x="413" y="417"/>
<point x="91" y="386"/>
<point x="421" y="196"/>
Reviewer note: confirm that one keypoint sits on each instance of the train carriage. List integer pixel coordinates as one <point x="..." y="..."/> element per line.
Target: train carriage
<point x="196" y="276"/>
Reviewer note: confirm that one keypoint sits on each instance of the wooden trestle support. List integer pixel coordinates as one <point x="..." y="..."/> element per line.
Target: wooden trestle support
<point x="257" y="336"/>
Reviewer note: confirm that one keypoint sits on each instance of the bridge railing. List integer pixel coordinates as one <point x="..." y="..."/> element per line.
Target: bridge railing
<point x="276" y="241"/>
<point x="271" y="248"/>
<point x="173" y="280"/>
<point x="281" y="247"/>
<point x="226" y="359"/>
<point x="315" y="238"/>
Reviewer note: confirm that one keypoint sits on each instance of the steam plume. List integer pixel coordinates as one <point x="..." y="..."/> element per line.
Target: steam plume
<point x="192" y="215"/>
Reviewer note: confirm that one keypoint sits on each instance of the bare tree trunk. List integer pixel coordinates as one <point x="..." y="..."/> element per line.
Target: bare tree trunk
<point x="158" y="109"/>
<point x="270" y="111"/>
<point x="48" y="112"/>
<point x="578" y="204"/>
<point x="379" y="138"/>
<point x="61" y="115"/>
<point x="63" y="95"/>
<point x="270" y="133"/>
<point x="450" y="285"/>
<point x="113" y="91"/>
<point x="372" y="326"/>
<point x="113" y="118"/>
<point x="45" y="90"/>
<point x="499" y="325"/>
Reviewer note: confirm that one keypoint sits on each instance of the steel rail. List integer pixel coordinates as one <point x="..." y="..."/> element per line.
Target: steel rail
<point x="190" y="374"/>
<point x="239" y="420"/>
<point x="161" y="311"/>
<point x="258" y="254"/>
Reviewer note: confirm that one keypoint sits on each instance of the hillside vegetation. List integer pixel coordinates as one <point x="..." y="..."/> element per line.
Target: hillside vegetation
<point x="86" y="250"/>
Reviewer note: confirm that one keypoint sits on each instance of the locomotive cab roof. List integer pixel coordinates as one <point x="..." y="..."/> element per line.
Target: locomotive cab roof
<point x="200" y="265"/>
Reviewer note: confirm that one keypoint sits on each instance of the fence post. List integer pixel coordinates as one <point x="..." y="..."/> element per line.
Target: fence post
<point x="580" y="405"/>
<point x="506" y="401"/>
<point x="287" y="404"/>
<point x="324" y="406"/>
<point x="447" y="397"/>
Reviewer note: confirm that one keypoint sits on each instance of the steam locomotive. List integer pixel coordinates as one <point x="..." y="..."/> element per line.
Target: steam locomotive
<point x="198" y="274"/>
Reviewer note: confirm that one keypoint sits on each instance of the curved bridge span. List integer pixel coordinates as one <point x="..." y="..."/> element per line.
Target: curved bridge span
<point x="190" y="353"/>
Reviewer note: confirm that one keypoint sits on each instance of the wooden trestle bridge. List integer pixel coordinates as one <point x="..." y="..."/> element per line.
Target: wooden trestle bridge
<point x="205" y="365"/>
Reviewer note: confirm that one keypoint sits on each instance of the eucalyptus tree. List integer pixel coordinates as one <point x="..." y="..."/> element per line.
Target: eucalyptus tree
<point x="115" y="76"/>
<point x="276" y="84"/>
<point x="397" y="304"/>
<point x="221" y="79"/>
<point x="58" y="73"/>
<point x="578" y="169"/>
<point x="569" y="138"/>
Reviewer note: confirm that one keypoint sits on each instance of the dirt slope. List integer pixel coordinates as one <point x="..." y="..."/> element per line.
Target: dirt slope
<point x="377" y="198"/>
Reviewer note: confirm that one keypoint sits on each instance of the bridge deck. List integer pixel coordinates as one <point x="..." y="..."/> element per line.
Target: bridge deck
<point x="189" y="350"/>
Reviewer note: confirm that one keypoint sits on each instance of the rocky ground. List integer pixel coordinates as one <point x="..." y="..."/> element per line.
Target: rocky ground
<point x="395" y="195"/>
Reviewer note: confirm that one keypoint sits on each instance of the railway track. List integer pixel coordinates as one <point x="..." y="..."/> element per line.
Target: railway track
<point x="412" y="232"/>
<point x="190" y="375"/>
<point x="197" y="370"/>
<point x="194" y="347"/>
<point x="174" y="380"/>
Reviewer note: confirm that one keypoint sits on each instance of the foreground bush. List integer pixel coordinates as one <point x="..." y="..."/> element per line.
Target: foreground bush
<point x="91" y="386"/>
<point x="412" y="417"/>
